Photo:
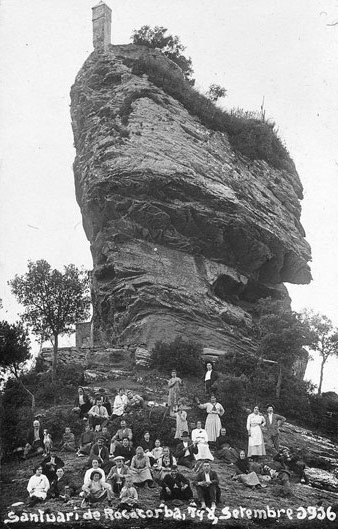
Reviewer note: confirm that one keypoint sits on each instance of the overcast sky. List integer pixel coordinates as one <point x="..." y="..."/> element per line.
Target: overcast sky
<point x="285" y="51"/>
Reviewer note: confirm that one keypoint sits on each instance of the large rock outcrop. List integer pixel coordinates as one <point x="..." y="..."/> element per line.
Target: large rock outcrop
<point x="186" y="234"/>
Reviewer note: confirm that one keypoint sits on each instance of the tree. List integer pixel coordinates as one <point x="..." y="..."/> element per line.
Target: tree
<point x="215" y="92"/>
<point x="282" y="336"/>
<point x="54" y="301"/>
<point x="169" y="45"/>
<point x="326" y="339"/>
<point x="14" y="352"/>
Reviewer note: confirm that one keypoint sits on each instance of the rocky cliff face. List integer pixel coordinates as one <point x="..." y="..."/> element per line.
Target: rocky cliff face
<point x="186" y="235"/>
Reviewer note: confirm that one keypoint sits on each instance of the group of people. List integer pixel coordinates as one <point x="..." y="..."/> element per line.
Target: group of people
<point x="117" y="465"/>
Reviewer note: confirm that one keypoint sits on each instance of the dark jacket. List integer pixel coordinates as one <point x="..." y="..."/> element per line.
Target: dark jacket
<point x="126" y="452"/>
<point x="179" y="480"/>
<point x="57" y="487"/>
<point x="213" y="378"/>
<point x="201" y="477"/>
<point x="103" y="450"/>
<point x="49" y="468"/>
<point x="147" y="445"/>
<point x="180" y="449"/>
<point x="277" y="421"/>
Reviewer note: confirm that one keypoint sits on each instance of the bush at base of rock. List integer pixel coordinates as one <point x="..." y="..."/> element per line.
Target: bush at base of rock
<point x="184" y="356"/>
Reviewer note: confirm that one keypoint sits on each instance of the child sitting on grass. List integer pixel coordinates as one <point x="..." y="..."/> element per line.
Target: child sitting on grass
<point x="128" y="496"/>
<point x="68" y="441"/>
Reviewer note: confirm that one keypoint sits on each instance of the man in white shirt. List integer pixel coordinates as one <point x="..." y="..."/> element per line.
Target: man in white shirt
<point x="98" y="414"/>
<point x="207" y="487"/>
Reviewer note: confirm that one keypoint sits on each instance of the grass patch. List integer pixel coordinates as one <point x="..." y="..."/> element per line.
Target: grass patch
<point x="256" y="139"/>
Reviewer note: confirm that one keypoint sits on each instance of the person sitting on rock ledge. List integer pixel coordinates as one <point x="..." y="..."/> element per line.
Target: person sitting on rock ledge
<point x="98" y="413"/>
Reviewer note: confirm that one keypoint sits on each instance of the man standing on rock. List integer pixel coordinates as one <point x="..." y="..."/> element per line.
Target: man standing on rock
<point x="273" y="423"/>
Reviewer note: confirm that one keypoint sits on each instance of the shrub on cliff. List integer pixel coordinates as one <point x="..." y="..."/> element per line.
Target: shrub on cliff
<point x="169" y="45"/>
<point x="180" y="354"/>
<point x="255" y="138"/>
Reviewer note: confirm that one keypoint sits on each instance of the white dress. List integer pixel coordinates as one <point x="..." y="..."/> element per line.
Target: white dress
<point x="200" y="437"/>
<point x="256" y="442"/>
<point x="213" y="423"/>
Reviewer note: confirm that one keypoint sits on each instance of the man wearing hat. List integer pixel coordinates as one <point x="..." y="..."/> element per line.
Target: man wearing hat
<point x="273" y="423"/>
<point x="175" y="486"/>
<point x="117" y="474"/>
<point x="185" y="451"/>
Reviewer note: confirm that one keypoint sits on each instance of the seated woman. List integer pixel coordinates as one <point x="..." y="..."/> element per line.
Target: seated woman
<point x="224" y="450"/>
<point x="165" y="463"/>
<point x="128" y="495"/>
<point x="37" y="487"/>
<point x="140" y="469"/>
<point x="200" y="437"/>
<point x="243" y="474"/>
<point x="82" y="403"/>
<point x="95" y="490"/>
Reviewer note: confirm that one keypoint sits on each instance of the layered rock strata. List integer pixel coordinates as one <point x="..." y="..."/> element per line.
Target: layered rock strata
<point x="186" y="234"/>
